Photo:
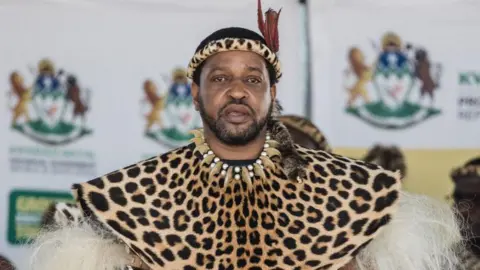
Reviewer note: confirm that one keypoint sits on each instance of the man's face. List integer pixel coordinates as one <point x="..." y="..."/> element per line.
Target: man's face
<point x="234" y="97"/>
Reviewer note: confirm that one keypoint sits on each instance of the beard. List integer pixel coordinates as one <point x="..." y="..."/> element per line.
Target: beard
<point x="231" y="136"/>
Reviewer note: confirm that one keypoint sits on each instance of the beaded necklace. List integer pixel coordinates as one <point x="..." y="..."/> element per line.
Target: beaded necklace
<point x="245" y="172"/>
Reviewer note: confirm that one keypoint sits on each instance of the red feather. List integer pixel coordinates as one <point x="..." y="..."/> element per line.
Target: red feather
<point x="269" y="27"/>
<point x="261" y="24"/>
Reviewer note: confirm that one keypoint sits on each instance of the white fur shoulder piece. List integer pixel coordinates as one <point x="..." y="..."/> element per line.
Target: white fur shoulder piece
<point x="77" y="247"/>
<point x="423" y="235"/>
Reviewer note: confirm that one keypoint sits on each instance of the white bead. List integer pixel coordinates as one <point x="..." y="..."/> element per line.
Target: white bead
<point x="210" y="152"/>
<point x="259" y="161"/>
<point x="237" y="176"/>
<point x="264" y="153"/>
<point x="250" y="167"/>
<point x="251" y="174"/>
<point x="216" y="159"/>
<point x="268" y="137"/>
<point x="204" y="156"/>
<point x="266" y="145"/>
<point x="225" y="166"/>
<point x="237" y="169"/>
<point x="212" y="165"/>
<point x="224" y="172"/>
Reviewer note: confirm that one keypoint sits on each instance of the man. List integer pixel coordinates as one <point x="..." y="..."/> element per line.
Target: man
<point x="242" y="195"/>
<point x="465" y="195"/>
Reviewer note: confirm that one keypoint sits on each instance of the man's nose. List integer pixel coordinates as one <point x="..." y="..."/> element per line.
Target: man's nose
<point x="237" y="89"/>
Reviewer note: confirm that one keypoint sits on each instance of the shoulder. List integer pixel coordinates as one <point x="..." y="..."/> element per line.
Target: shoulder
<point x="336" y="167"/>
<point x="364" y="187"/>
<point x="360" y="196"/>
<point x="133" y="183"/>
<point x="164" y="164"/>
<point x="383" y="216"/>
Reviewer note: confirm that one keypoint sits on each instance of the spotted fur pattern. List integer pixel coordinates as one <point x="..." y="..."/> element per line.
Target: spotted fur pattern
<point x="173" y="215"/>
<point x="234" y="44"/>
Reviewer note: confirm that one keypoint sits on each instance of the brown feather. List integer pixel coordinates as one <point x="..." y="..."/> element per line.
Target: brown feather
<point x="271" y="14"/>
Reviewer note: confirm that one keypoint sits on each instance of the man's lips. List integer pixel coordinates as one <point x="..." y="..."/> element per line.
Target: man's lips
<point x="237" y="114"/>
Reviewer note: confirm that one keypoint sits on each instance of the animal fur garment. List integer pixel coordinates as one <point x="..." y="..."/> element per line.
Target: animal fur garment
<point x="293" y="164"/>
<point x="424" y="234"/>
<point x="77" y="246"/>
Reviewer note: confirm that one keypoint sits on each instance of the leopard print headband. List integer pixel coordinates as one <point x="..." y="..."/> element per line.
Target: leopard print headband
<point x="234" y="44"/>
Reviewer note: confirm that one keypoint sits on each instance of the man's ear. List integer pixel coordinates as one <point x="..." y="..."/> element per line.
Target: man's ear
<point x="273" y="91"/>
<point x="195" y="93"/>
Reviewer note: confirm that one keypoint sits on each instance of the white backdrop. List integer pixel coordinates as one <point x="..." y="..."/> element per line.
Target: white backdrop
<point x="445" y="29"/>
<point x="111" y="47"/>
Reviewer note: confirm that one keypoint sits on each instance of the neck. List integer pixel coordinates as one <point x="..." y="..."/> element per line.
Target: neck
<point x="235" y="152"/>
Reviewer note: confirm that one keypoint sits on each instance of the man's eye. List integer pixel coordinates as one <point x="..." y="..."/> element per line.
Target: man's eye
<point x="219" y="79"/>
<point x="253" y="80"/>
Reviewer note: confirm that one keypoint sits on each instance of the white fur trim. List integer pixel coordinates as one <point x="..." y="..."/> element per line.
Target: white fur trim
<point x="77" y="247"/>
<point x="423" y="235"/>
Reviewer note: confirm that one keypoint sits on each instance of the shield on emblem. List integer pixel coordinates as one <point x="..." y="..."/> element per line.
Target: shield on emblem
<point x="393" y="79"/>
<point x="393" y="89"/>
<point x="180" y="109"/>
<point x="49" y="101"/>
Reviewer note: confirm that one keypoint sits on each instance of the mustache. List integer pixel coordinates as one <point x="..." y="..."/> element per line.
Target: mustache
<point x="236" y="102"/>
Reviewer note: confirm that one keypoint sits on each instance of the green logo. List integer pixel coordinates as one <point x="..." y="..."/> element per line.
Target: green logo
<point x="172" y="115"/>
<point x="27" y="208"/>
<point x="51" y="111"/>
<point x="402" y="79"/>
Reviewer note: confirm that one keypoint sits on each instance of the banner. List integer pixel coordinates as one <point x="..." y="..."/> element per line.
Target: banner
<point x="403" y="74"/>
<point x="86" y="86"/>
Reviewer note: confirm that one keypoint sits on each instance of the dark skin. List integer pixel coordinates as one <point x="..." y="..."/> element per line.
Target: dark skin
<point x="234" y="75"/>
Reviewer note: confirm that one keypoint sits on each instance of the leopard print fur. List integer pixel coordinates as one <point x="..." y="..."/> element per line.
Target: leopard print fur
<point x="170" y="213"/>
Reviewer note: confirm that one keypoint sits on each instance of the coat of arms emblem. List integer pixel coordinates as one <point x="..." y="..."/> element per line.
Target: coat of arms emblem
<point x="52" y="109"/>
<point x="171" y="114"/>
<point x="395" y="92"/>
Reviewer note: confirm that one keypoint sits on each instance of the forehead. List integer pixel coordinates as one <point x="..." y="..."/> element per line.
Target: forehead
<point x="233" y="59"/>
